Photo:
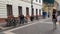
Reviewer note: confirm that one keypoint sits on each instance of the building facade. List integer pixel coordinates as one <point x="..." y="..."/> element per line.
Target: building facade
<point x="49" y="9"/>
<point x="37" y="6"/>
<point x="18" y="7"/>
<point x="56" y="5"/>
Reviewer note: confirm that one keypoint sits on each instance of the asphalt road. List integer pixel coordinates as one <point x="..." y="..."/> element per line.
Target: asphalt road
<point x="37" y="28"/>
<point x="34" y="29"/>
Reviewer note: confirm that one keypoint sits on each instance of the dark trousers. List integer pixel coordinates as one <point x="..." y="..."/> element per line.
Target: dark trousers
<point x="22" y="21"/>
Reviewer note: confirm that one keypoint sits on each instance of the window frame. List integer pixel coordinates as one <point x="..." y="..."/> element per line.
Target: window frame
<point x="9" y="10"/>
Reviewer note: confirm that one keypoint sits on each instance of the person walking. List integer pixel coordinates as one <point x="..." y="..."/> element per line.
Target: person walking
<point x="21" y="19"/>
<point x="54" y="19"/>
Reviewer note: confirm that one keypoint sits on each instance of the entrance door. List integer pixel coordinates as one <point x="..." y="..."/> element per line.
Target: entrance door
<point x="39" y="12"/>
<point x="9" y="10"/>
<point x="27" y="11"/>
<point x="20" y="10"/>
<point x="36" y="11"/>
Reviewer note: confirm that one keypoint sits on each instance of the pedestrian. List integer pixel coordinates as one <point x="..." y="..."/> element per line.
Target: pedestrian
<point x="58" y="17"/>
<point x="54" y="19"/>
<point x="21" y="19"/>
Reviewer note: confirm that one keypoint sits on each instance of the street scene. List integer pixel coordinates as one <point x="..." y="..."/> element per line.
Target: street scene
<point x="29" y="16"/>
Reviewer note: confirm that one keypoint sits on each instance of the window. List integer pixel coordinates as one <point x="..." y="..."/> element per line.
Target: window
<point x="39" y="11"/>
<point x="20" y="10"/>
<point x="39" y="1"/>
<point x="27" y="11"/>
<point x="9" y="10"/>
<point x="36" y="0"/>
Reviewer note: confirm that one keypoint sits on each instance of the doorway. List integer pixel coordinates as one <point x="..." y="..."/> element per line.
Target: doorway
<point x="27" y="11"/>
<point x="20" y="10"/>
